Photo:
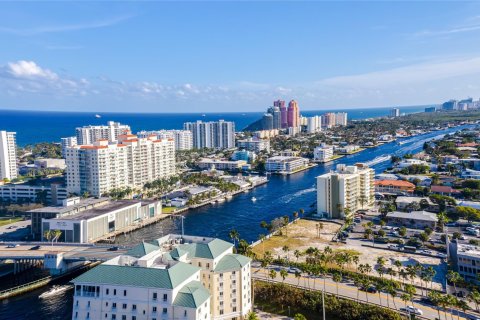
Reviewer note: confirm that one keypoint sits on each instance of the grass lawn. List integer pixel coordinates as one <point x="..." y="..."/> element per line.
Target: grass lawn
<point x="5" y="220"/>
<point x="168" y="209"/>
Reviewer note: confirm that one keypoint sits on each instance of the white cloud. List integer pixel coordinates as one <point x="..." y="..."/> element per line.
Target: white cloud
<point x="419" y="83"/>
<point x="66" y="27"/>
<point x="29" y="70"/>
<point x="412" y="74"/>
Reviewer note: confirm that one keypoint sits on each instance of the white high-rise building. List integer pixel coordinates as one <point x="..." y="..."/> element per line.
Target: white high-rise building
<point x="132" y="162"/>
<point x="216" y="135"/>
<point x="183" y="138"/>
<point x="67" y="143"/>
<point x="350" y="187"/>
<point x="314" y="124"/>
<point x="395" y="112"/>
<point x="174" y="277"/>
<point x="110" y="132"/>
<point x="341" y="118"/>
<point x="254" y="144"/>
<point x="8" y="155"/>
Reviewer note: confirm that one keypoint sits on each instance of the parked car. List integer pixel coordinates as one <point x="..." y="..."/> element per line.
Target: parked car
<point x="13" y="245"/>
<point x="35" y="247"/>
<point x="459" y="294"/>
<point x="412" y="310"/>
<point x="113" y="249"/>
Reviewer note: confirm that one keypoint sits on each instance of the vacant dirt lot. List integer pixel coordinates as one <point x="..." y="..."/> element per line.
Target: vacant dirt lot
<point x="303" y="234"/>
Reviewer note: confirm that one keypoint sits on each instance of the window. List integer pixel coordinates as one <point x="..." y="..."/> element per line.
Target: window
<point x="76" y="314"/>
<point x="165" y="297"/>
<point x="221" y="311"/>
<point x="114" y="292"/>
<point x="164" y="311"/>
<point x="234" y="309"/>
<point x="134" y="307"/>
<point x="88" y="304"/>
<point x="134" y="317"/>
<point x="106" y="304"/>
<point x="154" y="296"/>
<point x="76" y="304"/>
<point x="114" y="305"/>
<point x="185" y="313"/>
<point x="124" y="306"/>
<point x="124" y="317"/>
<point x="154" y="309"/>
<point x="208" y="265"/>
<point x="107" y="291"/>
<point x="114" y="316"/>
<point x="124" y="293"/>
<point x="106" y="315"/>
<point x="200" y="264"/>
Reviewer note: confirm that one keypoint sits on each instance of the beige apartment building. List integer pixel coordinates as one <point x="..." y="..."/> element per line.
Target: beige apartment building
<point x="349" y="187"/>
<point x="130" y="162"/>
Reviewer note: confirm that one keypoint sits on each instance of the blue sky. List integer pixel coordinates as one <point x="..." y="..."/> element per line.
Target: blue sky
<point x="236" y="56"/>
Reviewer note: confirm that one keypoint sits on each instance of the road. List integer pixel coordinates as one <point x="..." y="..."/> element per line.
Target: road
<point x="19" y="231"/>
<point x="348" y="290"/>
<point x="69" y="252"/>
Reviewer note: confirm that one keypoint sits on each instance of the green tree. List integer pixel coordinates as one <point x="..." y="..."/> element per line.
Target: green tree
<point x="299" y="316"/>
<point x="252" y="316"/>
<point x="234" y="235"/>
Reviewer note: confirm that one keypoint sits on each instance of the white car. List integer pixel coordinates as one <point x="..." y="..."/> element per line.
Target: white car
<point x="413" y="310"/>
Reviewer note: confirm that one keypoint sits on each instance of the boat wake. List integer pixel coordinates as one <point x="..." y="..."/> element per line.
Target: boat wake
<point x="378" y="160"/>
<point x="289" y="197"/>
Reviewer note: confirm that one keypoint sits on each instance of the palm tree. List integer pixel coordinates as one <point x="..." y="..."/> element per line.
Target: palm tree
<point x="285" y="249"/>
<point x="56" y="235"/>
<point x="337" y="277"/>
<point x="435" y="297"/>
<point x="302" y="212"/>
<point x="234" y="235"/>
<point x="474" y="296"/>
<point x="393" y="292"/>
<point x="48" y="234"/>
<point x="405" y="298"/>
<point x="298" y="275"/>
<point x="295" y="215"/>
<point x="272" y="274"/>
<point x="283" y="274"/>
<point x="252" y="316"/>
<point x="454" y="278"/>
<point x="297" y="253"/>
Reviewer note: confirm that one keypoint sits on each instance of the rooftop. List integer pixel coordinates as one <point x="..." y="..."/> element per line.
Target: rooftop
<point x="95" y="212"/>
<point x="412" y="199"/>
<point x="192" y="295"/>
<point x="394" y="183"/>
<point x="414" y="215"/>
<point x="468" y="250"/>
<point x="443" y="189"/>
<point x="61" y="209"/>
<point x="138" y="276"/>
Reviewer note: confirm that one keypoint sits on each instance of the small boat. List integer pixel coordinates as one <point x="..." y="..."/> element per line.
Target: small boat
<point x="246" y="191"/>
<point x="98" y="116"/>
<point x="54" y="290"/>
<point x="228" y="196"/>
<point x="220" y="200"/>
<point x="204" y="115"/>
<point x="254" y="199"/>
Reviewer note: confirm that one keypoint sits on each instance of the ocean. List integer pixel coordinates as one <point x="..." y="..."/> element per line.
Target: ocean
<point x="48" y="126"/>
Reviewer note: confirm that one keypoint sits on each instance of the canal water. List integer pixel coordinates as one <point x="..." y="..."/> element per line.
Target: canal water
<point x="282" y="195"/>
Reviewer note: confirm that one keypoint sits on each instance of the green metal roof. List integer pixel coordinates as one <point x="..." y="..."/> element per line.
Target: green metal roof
<point x="142" y="249"/>
<point x="192" y="295"/>
<point x="210" y="250"/>
<point x="138" y="276"/>
<point x="231" y="262"/>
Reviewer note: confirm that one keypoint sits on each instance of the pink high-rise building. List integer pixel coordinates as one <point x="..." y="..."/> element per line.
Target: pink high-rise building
<point x="293" y="114"/>
<point x="283" y="112"/>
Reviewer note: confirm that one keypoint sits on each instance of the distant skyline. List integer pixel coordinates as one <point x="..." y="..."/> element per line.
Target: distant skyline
<point x="236" y="56"/>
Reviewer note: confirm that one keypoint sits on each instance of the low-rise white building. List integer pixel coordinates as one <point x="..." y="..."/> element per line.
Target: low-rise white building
<point x="254" y="144"/>
<point x="53" y="193"/>
<point x="228" y="165"/>
<point x="175" y="277"/>
<point x="92" y="224"/>
<point x="468" y="261"/>
<point x="410" y="162"/>
<point x="285" y="164"/>
<point x="323" y="153"/>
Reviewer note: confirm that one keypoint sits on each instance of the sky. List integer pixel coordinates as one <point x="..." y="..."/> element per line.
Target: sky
<point x="150" y="56"/>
